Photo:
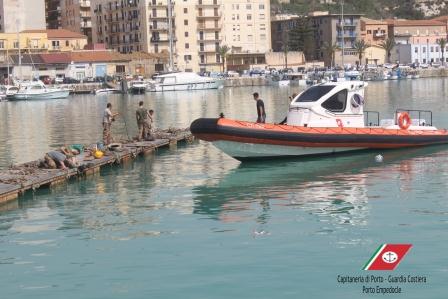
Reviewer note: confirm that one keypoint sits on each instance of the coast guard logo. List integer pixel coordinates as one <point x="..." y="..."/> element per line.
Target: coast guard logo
<point x="387" y="257"/>
<point x="390" y="257"/>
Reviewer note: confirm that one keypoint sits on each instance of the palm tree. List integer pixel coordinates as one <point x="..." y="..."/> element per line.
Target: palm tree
<point x="223" y="52"/>
<point x="388" y="45"/>
<point x="330" y="50"/>
<point x="360" y="47"/>
<point x="442" y="43"/>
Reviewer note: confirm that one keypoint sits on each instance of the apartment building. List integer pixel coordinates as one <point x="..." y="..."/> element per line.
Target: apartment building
<point x="76" y="16"/>
<point x="332" y="29"/>
<point x="18" y="15"/>
<point x="374" y="32"/>
<point x="417" y="40"/>
<point x="121" y="24"/>
<point x="53" y="14"/>
<point x="198" y="28"/>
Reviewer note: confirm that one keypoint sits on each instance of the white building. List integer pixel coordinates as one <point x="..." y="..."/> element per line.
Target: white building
<point x="19" y="15"/>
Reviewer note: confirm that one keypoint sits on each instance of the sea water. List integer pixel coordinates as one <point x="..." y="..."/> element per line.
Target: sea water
<point x="191" y="222"/>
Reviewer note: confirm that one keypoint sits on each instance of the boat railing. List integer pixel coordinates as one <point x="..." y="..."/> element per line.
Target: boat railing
<point x="372" y="118"/>
<point x="413" y="112"/>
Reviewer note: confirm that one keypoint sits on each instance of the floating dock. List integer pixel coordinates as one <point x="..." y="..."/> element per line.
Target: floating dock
<point x="19" y="179"/>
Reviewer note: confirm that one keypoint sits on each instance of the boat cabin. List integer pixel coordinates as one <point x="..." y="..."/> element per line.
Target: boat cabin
<point x="332" y="104"/>
<point x="341" y="104"/>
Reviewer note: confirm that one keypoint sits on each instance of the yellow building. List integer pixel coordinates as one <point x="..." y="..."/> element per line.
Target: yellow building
<point x="61" y="39"/>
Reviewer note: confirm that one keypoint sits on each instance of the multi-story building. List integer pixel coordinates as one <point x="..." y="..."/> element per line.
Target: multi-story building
<point x="53" y="14"/>
<point x="374" y="32"/>
<point x="331" y="29"/>
<point x="281" y="26"/>
<point x="76" y="16"/>
<point x="198" y="28"/>
<point x="18" y="15"/>
<point x="121" y="24"/>
<point x="417" y="40"/>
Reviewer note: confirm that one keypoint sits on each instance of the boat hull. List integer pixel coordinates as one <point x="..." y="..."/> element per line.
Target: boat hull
<point x="246" y="140"/>
<point x="186" y="86"/>
<point x="49" y="95"/>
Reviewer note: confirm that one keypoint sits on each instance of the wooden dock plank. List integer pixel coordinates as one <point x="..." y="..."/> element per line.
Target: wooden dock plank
<point x="18" y="179"/>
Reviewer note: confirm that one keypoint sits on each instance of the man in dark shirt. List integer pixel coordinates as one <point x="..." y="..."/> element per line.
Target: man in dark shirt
<point x="260" y="109"/>
<point x="141" y="115"/>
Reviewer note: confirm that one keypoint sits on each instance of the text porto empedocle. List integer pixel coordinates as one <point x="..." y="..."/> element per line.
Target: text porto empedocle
<point x="379" y="284"/>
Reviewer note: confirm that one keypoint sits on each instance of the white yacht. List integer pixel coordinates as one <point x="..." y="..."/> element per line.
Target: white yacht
<point x="8" y="91"/>
<point x="138" y="86"/>
<point x="184" y="81"/>
<point x="37" y="90"/>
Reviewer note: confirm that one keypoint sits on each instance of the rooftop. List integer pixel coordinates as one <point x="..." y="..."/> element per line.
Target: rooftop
<point x="414" y="22"/>
<point x="57" y="33"/>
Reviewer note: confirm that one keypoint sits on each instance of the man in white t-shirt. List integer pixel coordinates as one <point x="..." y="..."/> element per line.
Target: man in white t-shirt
<point x="108" y="118"/>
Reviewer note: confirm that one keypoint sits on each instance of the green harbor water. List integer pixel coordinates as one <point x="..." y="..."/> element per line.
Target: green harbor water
<point x="191" y="222"/>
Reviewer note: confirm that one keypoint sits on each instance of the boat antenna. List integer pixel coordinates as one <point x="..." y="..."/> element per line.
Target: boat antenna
<point x="343" y="33"/>
<point x="18" y="46"/>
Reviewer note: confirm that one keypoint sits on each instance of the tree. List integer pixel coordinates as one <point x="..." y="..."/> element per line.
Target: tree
<point x="301" y="37"/>
<point x="330" y="50"/>
<point x="360" y="47"/>
<point x="388" y="45"/>
<point x="442" y="43"/>
<point x="223" y="52"/>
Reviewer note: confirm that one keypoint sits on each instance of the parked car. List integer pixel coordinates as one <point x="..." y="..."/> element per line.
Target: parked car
<point x="59" y="79"/>
<point x="256" y="72"/>
<point x="232" y="74"/>
<point x="435" y="64"/>
<point x="69" y="80"/>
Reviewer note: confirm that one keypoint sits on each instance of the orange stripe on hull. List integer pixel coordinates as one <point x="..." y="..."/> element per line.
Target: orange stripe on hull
<point x="327" y="131"/>
<point x="216" y="137"/>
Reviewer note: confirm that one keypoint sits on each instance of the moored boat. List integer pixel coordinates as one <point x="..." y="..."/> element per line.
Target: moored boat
<point x="138" y="86"/>
<point x="37" y="90"/>
<point x="324" y="119"/>
<point x="183" y="81"/>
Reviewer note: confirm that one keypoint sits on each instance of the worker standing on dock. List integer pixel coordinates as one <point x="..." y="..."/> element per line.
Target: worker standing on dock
<point x="142" y="117"/>
<point x="150" y="125"/>
<point x="108" y="118"/>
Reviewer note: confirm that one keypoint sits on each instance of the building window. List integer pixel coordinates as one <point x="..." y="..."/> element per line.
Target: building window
<point x="187" y="46"/>
<point x="186" y="33"/>
<point x="262" y="36"/>
<point x="185" y="10"/>
<point x="261" y="6"/>
<point x="262" y="16"/>
<point x="249" y="17"/>
<point x="187" y="57"/>
<point x="2" y="44"/>
<point x="16" y="45"/>
<point x="432" y="49"/>
<point x="250" y="38"/>
<point x="248" y="6"/>
<point x="67" y="43"/>
<point x="186" y="22"/>
<point x="424" y="49"/>
<point x="416" y="50"/>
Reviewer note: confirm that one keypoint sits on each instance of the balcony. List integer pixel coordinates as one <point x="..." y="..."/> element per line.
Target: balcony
<point x="84" y="3"/>
<point x="347" y="24"/>
<point x="160" y="17"/>
<point x="209" y="40"/>
<point x="214" y="16"/>
<point x="207" y="50"/>
<point x="157" y="4"/>
<point x="202" y="27"/>
<point x="161" y="39"/>
<point x="208" y="5"/>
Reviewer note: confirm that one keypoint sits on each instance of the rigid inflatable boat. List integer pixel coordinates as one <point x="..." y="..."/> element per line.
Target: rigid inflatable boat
<point x="324" y="119"/>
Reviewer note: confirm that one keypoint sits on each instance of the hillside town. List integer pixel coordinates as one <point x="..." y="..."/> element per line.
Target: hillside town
<point x="83" y="40"/>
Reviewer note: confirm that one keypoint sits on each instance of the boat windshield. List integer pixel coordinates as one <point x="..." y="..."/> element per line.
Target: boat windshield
<point x="314" y="93"/>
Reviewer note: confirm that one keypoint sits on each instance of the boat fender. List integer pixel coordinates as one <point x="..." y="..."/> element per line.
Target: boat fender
<point x="404" y="121"/>
<point x="339" y="122"/>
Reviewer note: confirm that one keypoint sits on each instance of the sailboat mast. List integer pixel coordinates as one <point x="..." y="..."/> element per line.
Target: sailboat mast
<point x="18" y="46"/>
<point x="343" y="32"/>
<point x="170" y="32"/>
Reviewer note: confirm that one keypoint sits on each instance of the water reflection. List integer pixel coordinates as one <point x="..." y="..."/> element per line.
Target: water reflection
<point x="335" y="189"/>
